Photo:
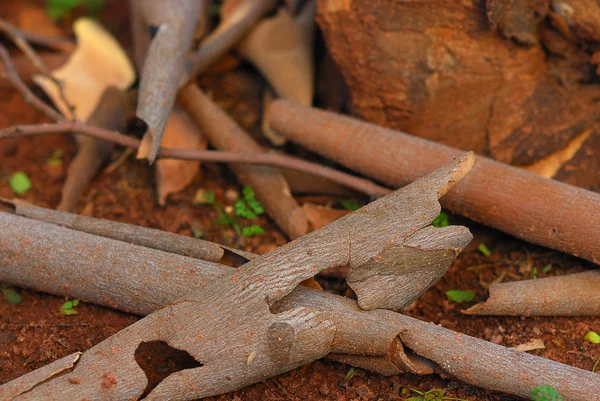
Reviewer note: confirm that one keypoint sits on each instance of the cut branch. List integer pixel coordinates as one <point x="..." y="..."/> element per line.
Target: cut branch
<point x="267" y="159"/>
<point x="225" y="134"/>
<point x="568" y="295"/>
<point x="517" y="202"/>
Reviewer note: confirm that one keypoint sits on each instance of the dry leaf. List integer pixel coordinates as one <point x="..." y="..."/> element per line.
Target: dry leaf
<point x="530" y="345"/>
<point x="281" y="47"/>
<point x="97" y="63"/>
<point x="319" y="216"/>
<point x="174" y="175"/>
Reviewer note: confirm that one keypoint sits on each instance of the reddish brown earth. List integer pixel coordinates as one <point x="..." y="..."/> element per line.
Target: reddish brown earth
<point x="34" y="332"/>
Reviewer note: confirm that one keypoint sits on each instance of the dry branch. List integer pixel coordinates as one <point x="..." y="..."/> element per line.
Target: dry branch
<point x="143" y="236"/>
<point x="367" y="339"/>
<point x="227" y="325"/>
<point x="268" y="183"/>
<point x="169" y="28"/>
<point x="228" y="34"/>
<point x="267" y="159"/>
<point x="110" y="114"/>
<point x="568" y="295"/>
<point x="523" y="204"/>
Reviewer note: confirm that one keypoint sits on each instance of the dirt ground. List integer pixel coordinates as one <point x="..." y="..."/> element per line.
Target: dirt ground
<point x="34" y="333"/>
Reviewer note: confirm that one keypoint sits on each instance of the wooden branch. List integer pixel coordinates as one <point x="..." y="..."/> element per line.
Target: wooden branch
<point x="268" y="183"/>
<point x="268" y="159"/>
<point x="376" y="348"/>
<point x="227" y="325"/>
<point x="22" y="39"/>
<point x="13" y="77"/>
<point x="569" y="295"/>
<point x="110" y="114"/>
<point x="170" y="28"/>
<point x="228" y="34"/>
<point x="523" y="204"/>
<point x="143" y="236"/>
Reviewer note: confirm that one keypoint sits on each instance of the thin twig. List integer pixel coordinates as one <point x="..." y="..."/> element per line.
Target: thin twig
<point x="19" y="39"/>
<point x="267" y="159"/>
<point x="13" y="77"/>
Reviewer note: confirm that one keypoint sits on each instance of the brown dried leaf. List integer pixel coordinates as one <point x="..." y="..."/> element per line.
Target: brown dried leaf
<point x="530" y="345"/>
<point x="174" y="175"/>
<point x="97" y="63"/>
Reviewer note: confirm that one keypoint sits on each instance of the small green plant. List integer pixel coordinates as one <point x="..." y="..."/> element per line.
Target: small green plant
<point x="534" y="273"/>
<point x="545" y="393"/>
<point x="245" y="208"/>
<point x="441" y="220"/>
<point x="431" y="395"/>
<point x="58" y="9"/>
<point x="349" y="205"/>
<point x="349" y="375"/>
<point x="460" y="296"/>
<point x="592" y="337"/>
<point x="69" y="308"/>
<point x="485" y="251"/>
<point x="20" y="183"/>
<point x="248" y="207"/>
<point x="10" y="295"/>
<point x="546" y="269"/>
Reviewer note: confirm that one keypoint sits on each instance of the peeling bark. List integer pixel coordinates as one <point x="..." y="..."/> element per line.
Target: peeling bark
<point x="517" y="202"/>
<point x="268" y="183"/>
<point x="569" y="295"/>
<point x="227" y="326"/>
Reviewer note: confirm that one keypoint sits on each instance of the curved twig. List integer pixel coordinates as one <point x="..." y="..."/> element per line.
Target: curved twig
<point x="267" y="159"/>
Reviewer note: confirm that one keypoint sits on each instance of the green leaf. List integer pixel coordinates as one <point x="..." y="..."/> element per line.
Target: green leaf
<point x="592" y="337"/>
<point x="546" y="269"/>
<point x="241" y="210"/>
<point x="441" y="220"/>
<point x="534" y="273"/>
<point x="460" y="296"/>
<point x="252" y="230"/>
<point x="350" y="374"/>
<point x="11" y="296"/>
<point x="349" y="205"/>
<point x="545" y="393"/>
<point x="20" y="183"/>
<point x="484" y="249"/>
<point x="68" y="308"/>
<point x="256" y="207"/>
<point x="68" y="312"/>
<point x="209" y="197"/>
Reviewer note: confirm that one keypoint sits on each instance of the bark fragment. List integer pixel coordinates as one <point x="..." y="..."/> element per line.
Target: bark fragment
<point x="169" y="28"/>
<point x="492" y="194"/>
<point x="569" y="295"/>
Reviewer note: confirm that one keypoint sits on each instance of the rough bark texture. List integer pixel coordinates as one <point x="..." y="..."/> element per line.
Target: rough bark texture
<point x="227" y="326"/>
<point x="268" y="183"/>
<point x="496" y="77"/>
<point x="111" y="114"/>
<point x="570" y="295"/>
<point x="523" y="204"/>
<point x="169" y="28"/>
<point x="367" y="339"/>
<point x="144" y="236"/>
